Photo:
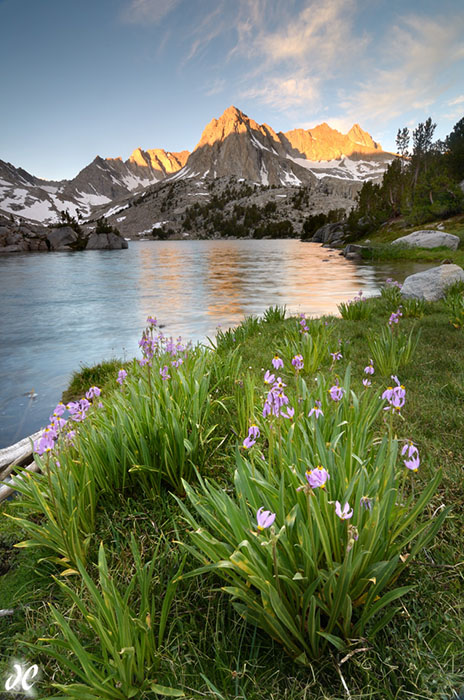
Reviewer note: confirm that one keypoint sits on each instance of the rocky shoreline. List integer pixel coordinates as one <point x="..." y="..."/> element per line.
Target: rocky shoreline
<point x="18" y="237"/>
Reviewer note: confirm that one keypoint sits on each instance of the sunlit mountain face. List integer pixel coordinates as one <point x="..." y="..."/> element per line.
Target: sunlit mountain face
<point x="232" y="146"/>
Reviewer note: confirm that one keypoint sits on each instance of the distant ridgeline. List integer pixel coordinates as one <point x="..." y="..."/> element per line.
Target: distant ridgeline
<point x="154" y="190"/>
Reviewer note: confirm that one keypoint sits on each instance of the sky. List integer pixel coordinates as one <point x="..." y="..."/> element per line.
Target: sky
<point x="82" y="78"/>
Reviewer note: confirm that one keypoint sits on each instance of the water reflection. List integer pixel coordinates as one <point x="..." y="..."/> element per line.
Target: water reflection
<point x="66" y="309"/>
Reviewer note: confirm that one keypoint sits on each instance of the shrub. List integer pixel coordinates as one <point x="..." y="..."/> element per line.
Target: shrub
<point x="309" y="553"/>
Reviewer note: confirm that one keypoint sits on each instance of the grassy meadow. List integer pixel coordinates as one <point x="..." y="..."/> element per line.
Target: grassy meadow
<point x="150" y="563"/>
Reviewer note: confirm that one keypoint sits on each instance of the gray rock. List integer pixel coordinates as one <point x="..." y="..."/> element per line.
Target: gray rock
<point x="105" y="241"/>
<point x="329" y="233"/>
<point x="431" y="284"/>
<point x="353" y="250"/>
<point x="62" y="238"/>
<point x="16" y="248"/>
<point x="428" y="239"/>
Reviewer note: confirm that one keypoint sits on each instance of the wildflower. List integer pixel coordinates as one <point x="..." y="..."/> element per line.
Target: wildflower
<point x="366" y="502"/>
<point x="253" y="434"/>
<point x="367" y="382"/>
<point x="370" y="368"/>
<point x="268" y="377"/>
<point x="317" y="477"/>
<point x="344" y="514"/>
<point x="45" y="443"/>
<point x="92" y="392"/>
<point x="177" y="363"/>
<point x="317" y="410"/>
<point x="395" y="317"/>
<point x="164" y="372"/>
<point x="289" y="414"/>
<point x="121" y="376"/>
<point x="336" y="356"/>
<point x="396" y="396"/>
<point x="60" y="409"/>
<point x="277" y="362"/>
<point x="410" y="448"/>
<point x="264" y="518"/>
<point x="267" y="409"/>
<point x="414" y="461"/>
<point x="57" y="422"/>
<point x="152" y="321"/>
<point x="393" y="283"/>
<point x="298" y="362"/>
<point x="336" y="392"/>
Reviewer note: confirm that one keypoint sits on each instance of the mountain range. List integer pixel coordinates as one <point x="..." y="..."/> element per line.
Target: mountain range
<point x="234" y="146"/>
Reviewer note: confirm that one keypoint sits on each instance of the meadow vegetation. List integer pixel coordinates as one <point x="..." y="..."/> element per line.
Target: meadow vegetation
<point x="277" y="514"/>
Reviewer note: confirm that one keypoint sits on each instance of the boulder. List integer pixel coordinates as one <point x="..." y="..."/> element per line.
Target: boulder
<point x="16" y="248"/>
<point x="353" y="251"/>
<point x="62" y="238"/>
<point x="431" y="284"/>
<point x="329" y="233"/>
<point x="428" y="239"/>
<point x="105" y="241"/>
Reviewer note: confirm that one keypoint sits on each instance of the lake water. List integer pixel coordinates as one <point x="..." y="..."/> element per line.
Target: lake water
<point x="61" y="311"/>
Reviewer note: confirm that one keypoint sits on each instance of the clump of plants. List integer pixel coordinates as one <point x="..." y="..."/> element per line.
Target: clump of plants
<point x="322" y="523"/>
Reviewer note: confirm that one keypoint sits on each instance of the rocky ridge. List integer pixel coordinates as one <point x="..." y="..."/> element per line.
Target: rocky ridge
<point x="328" y="167"/>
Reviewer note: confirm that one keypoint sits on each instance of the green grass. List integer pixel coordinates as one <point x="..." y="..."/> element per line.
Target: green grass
<point x="380" y="248"/>
<point x="209" y="650"/>
<point x="104" y="373"/>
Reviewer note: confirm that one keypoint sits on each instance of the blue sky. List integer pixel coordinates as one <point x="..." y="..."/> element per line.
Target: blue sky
<point x="87" y="77"/>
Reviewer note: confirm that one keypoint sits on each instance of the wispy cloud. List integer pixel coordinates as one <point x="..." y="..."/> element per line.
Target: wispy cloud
<point x="211" y="25"/>
<point x="295" y="52"/>
<point x="216" y="87"/>
<point x="457" y="101"/>
<point x="151" y="11"/>
<point x="289" y="91"/>
<point x="421" y="52"/>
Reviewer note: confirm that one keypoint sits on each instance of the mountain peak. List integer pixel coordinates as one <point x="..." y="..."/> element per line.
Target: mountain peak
<point x="358" y="135"/>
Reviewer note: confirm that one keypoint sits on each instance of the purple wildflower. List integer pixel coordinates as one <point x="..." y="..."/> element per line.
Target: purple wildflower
<point x="344" y="514"/>
<point x="367" y="382"/>
<point x="264" y="518"/>
<point x="289" y="414"/>
<point x="253" y="434"/>
<point x="396" y="396"/>
<point x="298" y="362"/>
<point x="152" y="321"/>
<point x="92" y="392"/>
<point x="410" y="448"/>
<point x="268" y="377"/>
<point x="395" y="317"/>
<point x="336" y="392"/>
<point x="336" y="356"/>
<point x="277" y="362"/>
<point x="121" y="376"/>
<point x="317" y="410"/>
<point x="164" y="372"/>
<point x="46" y="442"/>
<point x="413" y="462"/>
<point x="366" y="502"/>
<point x="370" y="368"/>
<point x="317" y="477"/>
